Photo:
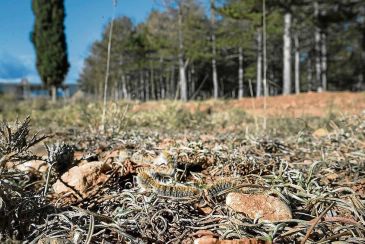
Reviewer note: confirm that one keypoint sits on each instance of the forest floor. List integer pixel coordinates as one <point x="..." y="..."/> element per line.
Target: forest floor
<point x="283" y="169"/>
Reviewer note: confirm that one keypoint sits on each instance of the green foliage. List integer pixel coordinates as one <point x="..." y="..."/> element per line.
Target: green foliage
<point x="49" y="40"/>
<point x="144" y="58"/>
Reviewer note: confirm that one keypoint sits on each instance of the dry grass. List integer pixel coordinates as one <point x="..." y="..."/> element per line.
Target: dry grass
<point x="321" y="177"/>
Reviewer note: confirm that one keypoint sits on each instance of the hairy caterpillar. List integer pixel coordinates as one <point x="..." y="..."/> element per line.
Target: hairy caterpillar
<point x="147" y="182"/>
<point x="220" y="187"/>
<point x="144" y="180"/>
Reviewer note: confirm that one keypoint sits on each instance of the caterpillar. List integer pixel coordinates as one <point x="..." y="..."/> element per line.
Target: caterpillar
<point x="144" y="180"/>
<point x="159" y="182"/>
<point x="147" y="182"/>
<point x="220" y="187"/>
<point x="175" y="191"/>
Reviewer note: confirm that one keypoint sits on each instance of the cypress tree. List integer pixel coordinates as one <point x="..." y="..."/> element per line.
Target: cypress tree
<point x="49" y="40"/>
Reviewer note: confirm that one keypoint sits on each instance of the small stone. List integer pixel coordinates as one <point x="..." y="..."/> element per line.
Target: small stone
<point x="204" y="233"/>
<point x="32" y="166"/>
<point x="206" y="240"/>
<point x="211" y="240"/>
<point x="319" y="133"/>
<point x="259" y="206"/>
<point x="82" y="179"/>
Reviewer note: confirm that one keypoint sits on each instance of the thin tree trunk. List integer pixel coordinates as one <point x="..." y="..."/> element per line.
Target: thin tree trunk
<point x="183" y="85"/>
<point x="141" y="86"/>
<point x="162" y="85"/>
<point x="116" y="91"/>
<point x="266" y="87"/>
<point x="146" y="86"/>
<point x="259" y="64"/>
<point x="54" y="93"/>
<point x="124" y="87"/>
<point x="363" y="46"/>
<point x="317" y="40"/>
<point x="193" y="80"/>
<point x="172" y="83"/>
<point x="324" y="61"/>
<point x="152" y="81"/>
<point x="240" y="72"/>
<point x="297" y="64"/>
<point x="287" y="55"/>
<point x="214" y="52"/>
<point x="309" y="74"/>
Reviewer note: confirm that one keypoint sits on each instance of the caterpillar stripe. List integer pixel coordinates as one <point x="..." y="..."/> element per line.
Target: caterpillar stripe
<point x="220" y="187"/>
<point x="144" y="180"/>
<point x="147" y="182"/>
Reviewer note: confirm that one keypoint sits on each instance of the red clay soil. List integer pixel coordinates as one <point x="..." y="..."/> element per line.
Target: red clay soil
<point x="305" y="104"/>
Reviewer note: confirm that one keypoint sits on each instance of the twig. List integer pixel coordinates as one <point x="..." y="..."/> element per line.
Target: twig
<point x="316" y="222"/>
<point x="107" y="69"/>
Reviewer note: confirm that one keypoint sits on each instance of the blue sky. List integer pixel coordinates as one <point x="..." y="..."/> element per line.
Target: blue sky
<point x="84" y="23"/>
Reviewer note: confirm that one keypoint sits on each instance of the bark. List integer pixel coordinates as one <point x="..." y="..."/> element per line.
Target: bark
<point x="317" y="40"/>
<point x="363" y="48"/>
<point x="324" y="61"/>
<point x="141" y="86"/>
<point x="183" y="84"/>
<point x="240" y="72"/>
<point x="146" y="86"/>
<point x="172" y="83"/>
<point x="192" y="85"/>
<point x="162" y="87"/>
<point x="297" y="65"/>
<point x="152" y="81"/>
<point x="54" y="93"/>
<point x="259" y="65"/>
<point x="266" y="87"/>
<point x="162" y="84"/>
<point x="309" y="74"/>
<point x="287" y="54"/>
<point x="116" y="91"/>
<point x="214" y="53"/>
<point x="124" y="87"/>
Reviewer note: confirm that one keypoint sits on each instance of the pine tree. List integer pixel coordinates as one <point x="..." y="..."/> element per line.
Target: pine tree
<point x="49" y="40"/>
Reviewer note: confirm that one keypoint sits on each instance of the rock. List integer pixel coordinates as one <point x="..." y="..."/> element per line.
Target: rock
<point x="212" y="240"/>
<point x="32" y="166"/>
<point x="51" y="240"/>
<point x="262" y="206"/>
<point x="82" y="179"/>
<point x="204" y="233"/>
<point x="319" y="133"/>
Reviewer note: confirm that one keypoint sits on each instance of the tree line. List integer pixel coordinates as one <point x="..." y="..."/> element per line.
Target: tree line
<point x="231" y="49"/>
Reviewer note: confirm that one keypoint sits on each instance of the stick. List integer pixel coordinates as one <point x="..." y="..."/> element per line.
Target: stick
<point x="315" y="223"/>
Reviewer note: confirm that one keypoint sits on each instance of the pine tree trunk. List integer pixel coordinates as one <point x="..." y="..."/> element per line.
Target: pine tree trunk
<point x="240" y="72"/>
<point x="214" y="53"/>
<point x="172" y="83"/>
<point x="317" y="40"/>
<point x="324" y="61"/>
<point x="309" y="75"/>
<point x="297" y="65"/>
<point x="124" y="87"/>
<point x="287" y="55"/>
<point x="192" y="84"/>
<point x="54" y="93"/>
<point x="146" y="86"/>
<point x="162" y="85"/>
<point x="259" y="65"/>
<point x="363" y="47"/>
<point x="183" y="85"/>
<point x="141" y="86"/>
<point x="152" y="81"/>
